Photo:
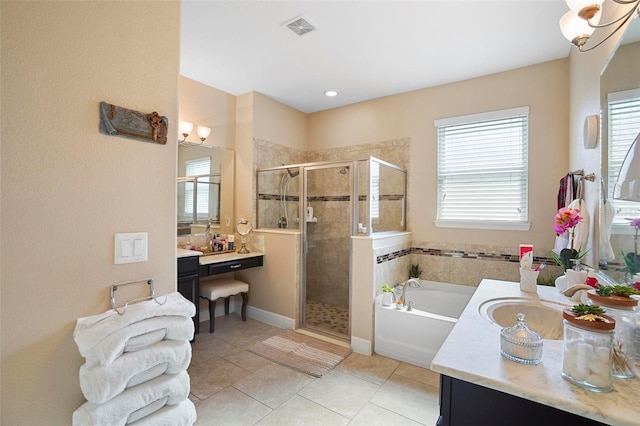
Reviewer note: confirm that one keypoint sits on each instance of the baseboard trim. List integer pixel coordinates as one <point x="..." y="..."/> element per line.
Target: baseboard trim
<point x="361" y="346"/>
<point x="270" y="318"/>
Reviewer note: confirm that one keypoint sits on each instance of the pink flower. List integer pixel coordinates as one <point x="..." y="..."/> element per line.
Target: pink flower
<point x="635" y="222"/>
<point x="566" y="219"/>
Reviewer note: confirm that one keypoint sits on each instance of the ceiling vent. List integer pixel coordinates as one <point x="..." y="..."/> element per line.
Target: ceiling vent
<point x="300" y="25"/>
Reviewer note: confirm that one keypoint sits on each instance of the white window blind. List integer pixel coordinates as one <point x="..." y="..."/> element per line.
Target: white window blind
<point x="623" y="127"/>
<point x="375" y="189"/>
<point x="483" y="171"/>
<point x="197" y="167"/>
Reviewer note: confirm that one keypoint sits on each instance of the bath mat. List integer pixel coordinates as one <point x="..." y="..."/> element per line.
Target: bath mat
<point x="303" y="353"/>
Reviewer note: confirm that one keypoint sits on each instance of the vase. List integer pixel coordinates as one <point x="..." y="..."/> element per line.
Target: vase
<point x="575" y="277"/>
<point x="387" y="299"/>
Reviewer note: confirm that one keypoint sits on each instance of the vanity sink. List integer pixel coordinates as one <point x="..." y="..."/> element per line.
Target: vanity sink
<point x="542" y="316"/>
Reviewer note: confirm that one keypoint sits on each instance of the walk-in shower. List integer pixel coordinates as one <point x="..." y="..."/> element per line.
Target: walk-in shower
<point x="346" y="198"/>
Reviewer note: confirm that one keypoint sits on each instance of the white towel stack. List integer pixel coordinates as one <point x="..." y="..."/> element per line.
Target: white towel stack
<point x="135" y="365"/>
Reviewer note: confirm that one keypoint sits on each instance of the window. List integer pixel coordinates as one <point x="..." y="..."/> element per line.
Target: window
<point x="375" y="189"/>
<point x="482" y="170"/>
<point x="623" y="127"/>
<point x="200" y="166"/>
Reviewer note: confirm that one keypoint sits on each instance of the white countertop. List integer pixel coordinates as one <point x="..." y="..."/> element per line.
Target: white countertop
<point x="180" y="252"/>
<point x="206" y="259"/>
<point x="218" y="258"/>
<point x="471" y="353"/>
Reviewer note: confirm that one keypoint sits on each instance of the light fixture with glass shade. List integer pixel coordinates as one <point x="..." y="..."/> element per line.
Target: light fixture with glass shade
<point x="583" y="18"/>
<point x="185" y="128"/>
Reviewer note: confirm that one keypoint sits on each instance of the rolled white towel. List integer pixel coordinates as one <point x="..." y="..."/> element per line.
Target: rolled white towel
<point x="182" y="414"/>
<point x="138" y="336"/>
<point x="101" y="383"/>
<point x="136" y="402"/>
<point x="92" y="330"/>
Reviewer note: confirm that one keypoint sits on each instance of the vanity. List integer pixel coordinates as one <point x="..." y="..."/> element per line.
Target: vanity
<point x="193" y="265"/>
<point x="478" y="386"/>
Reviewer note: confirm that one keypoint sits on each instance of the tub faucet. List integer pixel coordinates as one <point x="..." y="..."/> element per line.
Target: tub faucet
<point x="410" y="282"/>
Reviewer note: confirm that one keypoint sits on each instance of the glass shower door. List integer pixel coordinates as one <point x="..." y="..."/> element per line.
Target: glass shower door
<point x="328" y="209"/>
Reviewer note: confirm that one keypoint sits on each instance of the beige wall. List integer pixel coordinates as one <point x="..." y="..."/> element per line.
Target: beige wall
<point x="206" y="106"/>
<point x="67" y="189"/>
<point x="543" y="87"/>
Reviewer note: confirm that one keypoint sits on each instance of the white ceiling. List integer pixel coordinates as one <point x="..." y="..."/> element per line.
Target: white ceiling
<point x="362" y="49"/>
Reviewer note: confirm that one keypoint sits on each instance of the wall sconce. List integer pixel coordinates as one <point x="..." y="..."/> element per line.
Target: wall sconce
<point x="627" y="185"/>
<point x="186" y="127"/>
<point x="580" y="22"/>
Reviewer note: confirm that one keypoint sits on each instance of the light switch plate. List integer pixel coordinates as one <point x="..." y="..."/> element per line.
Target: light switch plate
<point x="131" y="248"/>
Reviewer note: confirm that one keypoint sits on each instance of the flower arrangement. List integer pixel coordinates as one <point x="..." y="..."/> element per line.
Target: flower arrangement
<point x="632" y="259"/>
<point x="565" y="221"/>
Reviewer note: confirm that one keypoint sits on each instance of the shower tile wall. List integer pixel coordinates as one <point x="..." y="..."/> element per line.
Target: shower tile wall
<point x="267" y="154"/>
<point x="392" y="266"/>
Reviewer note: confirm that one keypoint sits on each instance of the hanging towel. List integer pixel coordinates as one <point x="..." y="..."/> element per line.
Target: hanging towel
<point x="137" y="336"/>
<point x="91" y="330"/>
<point x="135" y="403"/>
<point x="567" y="191"/>
<point x="581" y="230"/>
<point x="99" y="384"/>
<point x="606" y="221"/>
<point x="182" y="414"/>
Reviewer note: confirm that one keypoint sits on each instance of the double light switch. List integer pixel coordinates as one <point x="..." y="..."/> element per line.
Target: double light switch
<point x="131" y="248"/>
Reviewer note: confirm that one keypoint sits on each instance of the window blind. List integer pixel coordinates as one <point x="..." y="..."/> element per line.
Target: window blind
<point x="623" y="127"/>
<point x="375" y="189"/>
<point x="482" y="167"/>
<point x="197" y="167"/>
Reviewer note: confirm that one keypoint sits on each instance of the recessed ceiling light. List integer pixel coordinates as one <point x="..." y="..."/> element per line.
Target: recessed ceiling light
<point x="331" y="93"/>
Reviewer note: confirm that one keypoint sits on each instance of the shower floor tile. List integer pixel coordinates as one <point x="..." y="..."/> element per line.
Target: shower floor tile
<point x="328" y="317"/>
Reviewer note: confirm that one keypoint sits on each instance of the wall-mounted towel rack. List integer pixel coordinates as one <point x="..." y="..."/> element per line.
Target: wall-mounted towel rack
<point x="580" y="172"/>
<point x="152" y="295"/>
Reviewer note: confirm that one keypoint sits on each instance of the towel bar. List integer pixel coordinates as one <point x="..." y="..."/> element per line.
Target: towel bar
<point x="140" y="299"/>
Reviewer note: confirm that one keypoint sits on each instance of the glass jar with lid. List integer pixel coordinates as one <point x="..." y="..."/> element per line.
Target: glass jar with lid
<point x="587" y="350"/>
<point x="624" y="311"/>
<point x="520" y="344"/>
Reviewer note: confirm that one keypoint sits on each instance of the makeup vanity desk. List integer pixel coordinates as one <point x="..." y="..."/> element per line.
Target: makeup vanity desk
<point x="193" y="265"/>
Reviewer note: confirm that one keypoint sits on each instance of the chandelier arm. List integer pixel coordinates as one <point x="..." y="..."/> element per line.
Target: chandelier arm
<point x="624" y="18"/>
<point x="607" y="37"/>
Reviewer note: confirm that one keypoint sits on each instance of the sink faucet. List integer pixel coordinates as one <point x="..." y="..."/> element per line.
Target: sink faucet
<point x="410" y="282"/>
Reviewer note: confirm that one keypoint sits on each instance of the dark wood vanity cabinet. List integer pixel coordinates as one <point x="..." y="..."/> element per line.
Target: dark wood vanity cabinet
<point x="465" y="404"/>
<point x="230" y="266"/>
<point x="188" y="284"/>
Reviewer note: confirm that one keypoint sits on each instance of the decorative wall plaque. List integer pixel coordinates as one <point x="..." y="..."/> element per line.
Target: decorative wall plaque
<point x="118" y="121"/>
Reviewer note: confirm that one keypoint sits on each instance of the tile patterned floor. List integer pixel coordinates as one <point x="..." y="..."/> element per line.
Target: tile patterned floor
<point x="231" y="386"/>
<point x="328" y="317"/>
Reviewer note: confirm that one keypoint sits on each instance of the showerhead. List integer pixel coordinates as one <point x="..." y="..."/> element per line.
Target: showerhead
<point x="293" y="174"/>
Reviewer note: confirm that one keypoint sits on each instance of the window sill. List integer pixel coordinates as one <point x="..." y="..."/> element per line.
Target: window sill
<point x="500" y="226"/>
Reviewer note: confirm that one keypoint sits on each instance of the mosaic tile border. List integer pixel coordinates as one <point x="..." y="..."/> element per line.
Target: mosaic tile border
<point x="458" y="254"/>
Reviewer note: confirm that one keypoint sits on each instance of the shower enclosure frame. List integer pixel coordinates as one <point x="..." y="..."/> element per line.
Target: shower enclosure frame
<point x="356" y="184"/>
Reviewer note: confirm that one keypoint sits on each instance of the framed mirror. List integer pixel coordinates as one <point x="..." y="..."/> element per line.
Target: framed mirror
<point x="204" y="190"/>
<point x="620" y="124"/>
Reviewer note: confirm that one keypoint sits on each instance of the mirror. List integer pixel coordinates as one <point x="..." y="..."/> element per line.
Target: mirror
<point x="205" y="190"/>
<point x="619" y="86"/>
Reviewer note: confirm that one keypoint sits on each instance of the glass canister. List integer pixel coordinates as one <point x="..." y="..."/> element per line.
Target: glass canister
<point x="587" y="350"/>
<point x="624" y="311"/>
<point x="520" y="344"/>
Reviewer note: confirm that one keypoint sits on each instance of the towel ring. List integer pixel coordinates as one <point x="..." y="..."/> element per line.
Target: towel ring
<point x="126" y="304"/>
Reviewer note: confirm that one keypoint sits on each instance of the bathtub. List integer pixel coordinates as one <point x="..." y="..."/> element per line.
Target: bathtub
<point x="416" y="336"/>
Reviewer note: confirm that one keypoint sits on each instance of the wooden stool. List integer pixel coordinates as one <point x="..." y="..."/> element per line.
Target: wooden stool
<point x="224" y="288"/>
